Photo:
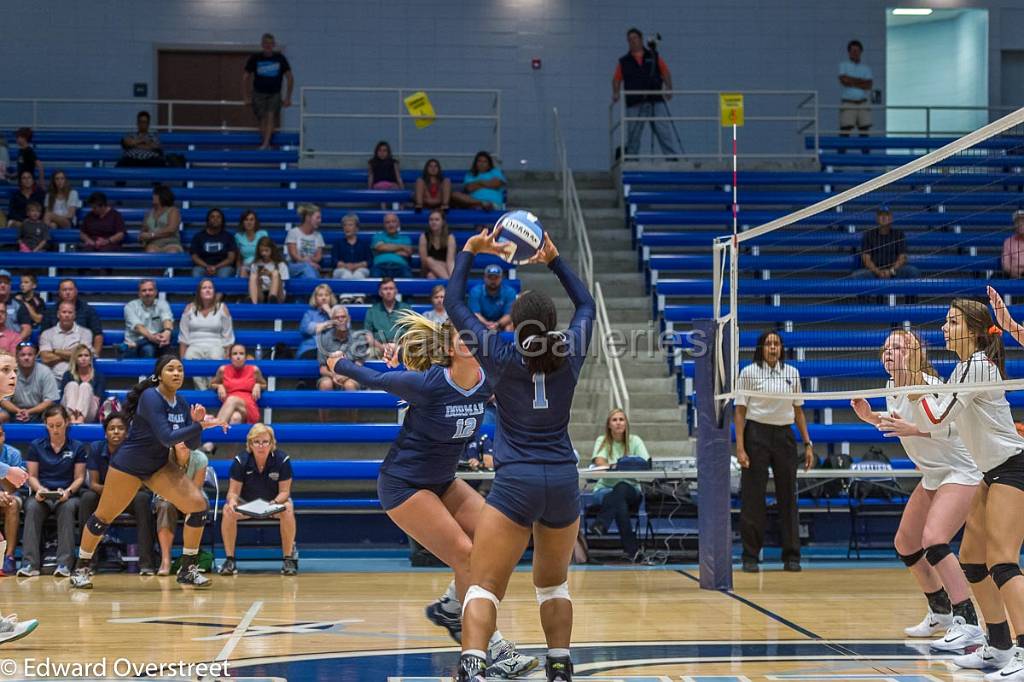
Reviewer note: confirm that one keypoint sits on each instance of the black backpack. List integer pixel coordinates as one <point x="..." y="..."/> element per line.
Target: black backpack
<point x="833" y="487"/>
<point x="883" y="487"/>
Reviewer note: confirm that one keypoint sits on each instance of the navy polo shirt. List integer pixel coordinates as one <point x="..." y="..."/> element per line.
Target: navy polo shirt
<point x="353" y="253"/>
<point x="258" y="484"/>
<point x="56" y="469"/>
<point x="99" y="460"/>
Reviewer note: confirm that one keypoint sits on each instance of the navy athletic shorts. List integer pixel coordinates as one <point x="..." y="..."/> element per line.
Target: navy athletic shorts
<point x="527" y="493"/>
<point x="394" y="491"/>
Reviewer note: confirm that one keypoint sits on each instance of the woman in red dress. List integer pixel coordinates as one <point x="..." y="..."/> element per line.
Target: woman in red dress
<point x="239" y="387"/>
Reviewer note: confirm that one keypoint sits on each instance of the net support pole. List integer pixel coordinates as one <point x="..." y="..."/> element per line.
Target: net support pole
<point x="714" y="525"/>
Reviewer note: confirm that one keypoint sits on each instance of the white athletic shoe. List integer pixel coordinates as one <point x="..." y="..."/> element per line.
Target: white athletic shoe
<point x="984" y="658"/>
<point x="959" y="636"/>
<point x="11" y="629"/>
<point x="933" y="624"/>
<point x="1012" y="671"/>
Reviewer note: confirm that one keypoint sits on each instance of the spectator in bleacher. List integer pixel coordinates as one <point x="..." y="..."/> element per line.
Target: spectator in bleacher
<point x="56" y="464"/>
<point x="148" y="324"/>
<point x="382" y="315"/>
<point x="1013" y="248"/>
<point x="261" y="86"/>
<point x="9" y="339"/>
<point x="855" y="77"/>
<point x="85" y="314"/>
<point x="883" y="251"/>
<point x="27" y="159"/>
<point x="644" y="69"/>
<point x="247" y="237"/>
<point x="10" y="503"/>
<point x="98" y="456"/>
<point x="33" y="234"/>
<point x="437" y="248"/>
<point x="206" y="331"/>
<point x="83" y="387"/>
<point x="433" y="190"/>
<point x="213" y="249"/>
<point x="167" y="514"/>
<point x="102" y="228"/>
<point x="62" y="202"/>
<point x="161" y="225"/>
<point x="483" y="186"/>
<point x="340" y="337"/>
<point x="352" y="255"/>
<point x="492" y="301"/>
<point x="384" y="172"/>
<point x="28" y="304"/>
<point x="617" y="495"/>
<point x="437" y="314"/>
<point x="316" y="319"/>
<point x="36" y="391"/>
<point x="142" y="148"/>
<point x="27" y="192"/>
<point x="57" y="343"/>
<point x="261" y="472"/>
<point x="305" y="244"/>
<point x="764" y="438"/>
<point x="267" y="274"/>
<point x="392" y="250"/>
<point x="239" y="387"/>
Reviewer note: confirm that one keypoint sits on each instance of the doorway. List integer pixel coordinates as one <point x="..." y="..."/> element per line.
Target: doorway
<point x="203" y="75"/>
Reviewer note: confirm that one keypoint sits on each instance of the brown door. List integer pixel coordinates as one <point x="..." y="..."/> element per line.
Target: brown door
<point x="203" y="75"/>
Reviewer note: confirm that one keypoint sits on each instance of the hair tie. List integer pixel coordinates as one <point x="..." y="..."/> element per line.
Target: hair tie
<point x="528" y="340"/>
<point x="994" y="330"/>
<point x="153" y="378"/>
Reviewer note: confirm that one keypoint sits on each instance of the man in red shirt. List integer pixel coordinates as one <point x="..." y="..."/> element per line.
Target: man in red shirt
<point x="644" y="69"/>
<point x="102" y="228"/>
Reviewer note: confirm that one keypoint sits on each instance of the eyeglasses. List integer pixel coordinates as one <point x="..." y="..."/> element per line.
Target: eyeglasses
<point x="261" y="443"/>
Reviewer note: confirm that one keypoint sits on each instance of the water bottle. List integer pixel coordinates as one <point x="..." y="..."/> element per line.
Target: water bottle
<point x="259" y="352"/>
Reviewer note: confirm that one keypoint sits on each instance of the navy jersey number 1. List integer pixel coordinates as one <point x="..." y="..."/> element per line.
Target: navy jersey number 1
<point x="540" y="398"/>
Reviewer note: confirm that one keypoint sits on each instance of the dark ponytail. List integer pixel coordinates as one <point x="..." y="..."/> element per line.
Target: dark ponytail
<point x="985" y="333"/>
<point x="131" y="403"/>
<point x="544" y="349"/>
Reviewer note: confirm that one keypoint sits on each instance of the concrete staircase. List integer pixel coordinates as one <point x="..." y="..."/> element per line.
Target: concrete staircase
<point x="655" y="414"/>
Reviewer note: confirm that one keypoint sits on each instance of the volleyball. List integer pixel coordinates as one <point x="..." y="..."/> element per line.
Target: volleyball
<point x="523" y="229"/>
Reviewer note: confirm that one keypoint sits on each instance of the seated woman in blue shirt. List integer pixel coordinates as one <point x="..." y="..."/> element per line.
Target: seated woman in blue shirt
<point x="484" y="185"/>
<point x="56" y="464"/>
<point x="261" y="472"/>
<point x="316" y="319"/>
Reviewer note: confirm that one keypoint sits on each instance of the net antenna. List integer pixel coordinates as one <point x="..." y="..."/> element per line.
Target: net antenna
<point x="974" y="152"/>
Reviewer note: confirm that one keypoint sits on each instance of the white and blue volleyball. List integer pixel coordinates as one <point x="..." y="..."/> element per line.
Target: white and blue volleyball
<point x="523" y="229"/>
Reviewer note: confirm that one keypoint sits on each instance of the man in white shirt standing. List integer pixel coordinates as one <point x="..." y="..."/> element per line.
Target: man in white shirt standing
<point x="764" y="438"/>
<point x="856" y="78"/>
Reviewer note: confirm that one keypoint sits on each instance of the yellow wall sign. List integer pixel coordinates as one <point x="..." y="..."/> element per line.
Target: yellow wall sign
<point x="420" y="107"/>
<point x="730" y="104"/>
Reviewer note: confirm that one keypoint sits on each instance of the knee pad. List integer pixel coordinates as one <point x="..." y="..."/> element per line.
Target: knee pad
<point x="937" y="553"/>
<point x="975" y="573"/>
<point x="477" y="592"/>
<point x="556" y="592"/>
<point x="97" y="527"/>
<point x="1003" y="573"/>
<point x="196" y="520"/>
<point x="911" y="559"/>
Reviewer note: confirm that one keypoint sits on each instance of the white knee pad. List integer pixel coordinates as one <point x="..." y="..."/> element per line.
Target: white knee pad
<point x="477" y="592"/>
<point x="556" y="592"/>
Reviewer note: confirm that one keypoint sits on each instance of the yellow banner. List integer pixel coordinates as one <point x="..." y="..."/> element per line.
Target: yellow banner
<point x="419" y="106"/>
<point x="730" y="105"/>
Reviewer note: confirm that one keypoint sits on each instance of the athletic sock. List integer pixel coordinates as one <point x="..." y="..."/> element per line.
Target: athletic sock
<point x="451" y="592"/>
<point x="83" y="555"/>
<point x="475" y="652"/>
<point x="185" y="551"/>
<point x="495" y="639"/>
<point x="938" y="601"/>
<point x="558" y="653"/>
<point x="965" y="610"/>
<point x="999" y="635"/>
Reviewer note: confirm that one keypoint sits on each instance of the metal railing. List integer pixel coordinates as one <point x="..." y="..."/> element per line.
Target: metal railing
<point x="42" y="113"/>
<point x="930" y="117"/>
<point x="572" y="214"/>
<point x="387" y="105"/>
<point x="771" y="118"/>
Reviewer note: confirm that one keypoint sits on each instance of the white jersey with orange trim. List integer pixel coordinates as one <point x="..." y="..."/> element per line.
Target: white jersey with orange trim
<point x="981" y="415"/>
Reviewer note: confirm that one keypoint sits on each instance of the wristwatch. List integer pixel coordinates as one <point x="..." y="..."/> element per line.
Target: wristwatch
<point x="808" y="444"/>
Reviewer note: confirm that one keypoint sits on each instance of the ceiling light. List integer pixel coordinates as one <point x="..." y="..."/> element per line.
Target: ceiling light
<point x="912" y="12"/>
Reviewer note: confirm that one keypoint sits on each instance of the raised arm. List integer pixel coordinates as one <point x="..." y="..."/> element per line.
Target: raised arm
<point x="483" y="342"/>
<point x="407" y="385"/>
<point x="582" y="323"/>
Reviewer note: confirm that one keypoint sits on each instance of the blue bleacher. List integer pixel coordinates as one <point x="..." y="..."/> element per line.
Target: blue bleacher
<point x="819" y="262"/>
<point x="839" y="287"/>
<point x="994" y="215"/>
<point x="819" y="178"/>
<point x="1004" y="142"/>
<point x="868" y="369"/>
<point x="833" y="239"/>
<point x="248" y="312"/>
<point x="259" y="195"/>
<point x="834" y="314"/>
<point x="56" y="155"/>
<point x="167" y="139"/>
<point x="871" y="199"/>
<point x="241" y="175"/>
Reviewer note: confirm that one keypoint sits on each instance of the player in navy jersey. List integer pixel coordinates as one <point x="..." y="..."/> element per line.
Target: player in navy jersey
<point x="10" y="628"/>
<point x="158" y="420"/>
<point x="536" y="485"/>
<point x="446" y="391"/>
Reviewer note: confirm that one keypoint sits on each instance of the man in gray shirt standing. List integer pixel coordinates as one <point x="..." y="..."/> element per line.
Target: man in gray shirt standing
<point x="147" y="324"/>
<point x="36" y="391"/>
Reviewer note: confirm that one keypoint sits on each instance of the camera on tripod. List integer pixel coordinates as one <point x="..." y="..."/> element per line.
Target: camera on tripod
<point x="652" y="42"/>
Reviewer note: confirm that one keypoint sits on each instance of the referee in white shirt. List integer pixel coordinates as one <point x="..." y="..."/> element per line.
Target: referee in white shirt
<point x="764" y="437"/>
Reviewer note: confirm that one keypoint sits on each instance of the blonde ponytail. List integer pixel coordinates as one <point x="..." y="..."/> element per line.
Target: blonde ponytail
<point x="424" y="343"/>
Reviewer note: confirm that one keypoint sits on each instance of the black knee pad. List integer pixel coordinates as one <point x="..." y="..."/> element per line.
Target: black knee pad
<point x="975" y="573"/>
<point x="937" y="553"/>
<point x="911" y="559"/>
<point x="1003" y="573"/>
<point x="97" y="527"/>
<point x="196" y="520"/>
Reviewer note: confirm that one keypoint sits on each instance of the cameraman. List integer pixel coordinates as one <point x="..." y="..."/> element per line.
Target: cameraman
<point x="642" y="68"/>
